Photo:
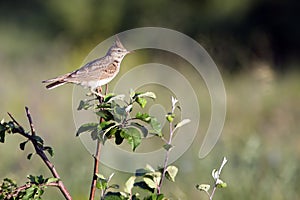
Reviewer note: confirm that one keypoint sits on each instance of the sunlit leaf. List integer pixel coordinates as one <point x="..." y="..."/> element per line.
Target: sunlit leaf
<point x="171" y="173"/>
<point x="150" y="183"/>
<point x="143" y="116"/>
<point x="182" y="123"/>
<point x="215" y="174"/>
<point x="147" y="94"/>
<point x="203" y="187"/>
<point x="170" y="117"/>
<point x="108" y="97"/>
<point x="141" y="101"/>
<point x="129" y="184"/>
<point x="119" y="97"/>
<point x="221" y="184"/>
<point x="51" y="180"/>
<point x="101" y="183"/>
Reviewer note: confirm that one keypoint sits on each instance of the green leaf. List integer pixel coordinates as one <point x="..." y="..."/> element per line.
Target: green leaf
<point x="51" y="180"/>
<point x="170" y="117"/>
<point x="143" y="116"/>
<point x="150" y="183"/>
<point x="108" y="97"/>
<point x="114" y="186"/>
<point x="119" y="97"/>
<point x="221" y="184"/>
<point x="105" y="114"/>
<point x="168" y="147"/>
<point x="155" y="197"/>
<point x="29" y="156"/>
<point x="101" y="183"/>
<point x="141" y="101"/>
<point x="147" y="94"/>
<point x="182" y="123"/>
<point x="143" y="185"/>
<point x="22" y="145"/>
<point x="49" y="150"/>
<point x="84" y="104"/>
<point x="118" y="138"/>
<point x="100" y="176"/>
<point x="154" y="176"/>
<point x="171" y="173"/>
<point x="38" y="139"/>
<point x="129" y="184"/>
<point x="86" y="127"/>
<point x="133" y="136"/>
<point x="203" y="187"/>
<point x="142" y="128"/>
<point x="156" y="127"/>
<point x="29" y="193"/>
<point x="114" y="196"/>
<point x="2" y="132"/>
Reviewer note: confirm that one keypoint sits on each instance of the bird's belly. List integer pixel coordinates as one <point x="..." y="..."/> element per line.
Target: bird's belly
<point x="95" y="84"/>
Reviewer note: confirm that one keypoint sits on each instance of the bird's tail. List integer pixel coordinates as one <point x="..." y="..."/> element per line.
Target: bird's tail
<point x="55" y="82"/>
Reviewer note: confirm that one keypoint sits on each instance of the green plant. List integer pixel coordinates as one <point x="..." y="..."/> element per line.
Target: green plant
<point x="115" y="123"/>
<point x="218" y="183"/>
<point x="36" y="185"/>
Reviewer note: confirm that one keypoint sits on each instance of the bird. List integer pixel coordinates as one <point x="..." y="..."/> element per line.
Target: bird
<point x="95" y="73"/>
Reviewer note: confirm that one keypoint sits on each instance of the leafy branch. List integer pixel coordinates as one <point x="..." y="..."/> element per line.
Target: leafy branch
<point x="217" y="184"/>
<point x="13" y="127"/>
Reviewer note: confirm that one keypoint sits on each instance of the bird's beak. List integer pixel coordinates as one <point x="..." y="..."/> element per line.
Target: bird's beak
<point x="131" y="51"/>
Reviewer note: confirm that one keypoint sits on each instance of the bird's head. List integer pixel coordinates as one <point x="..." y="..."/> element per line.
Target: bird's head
<point x="117" y="50"/>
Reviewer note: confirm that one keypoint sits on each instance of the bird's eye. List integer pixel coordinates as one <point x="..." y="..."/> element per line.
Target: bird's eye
<point x="119" y="50"/>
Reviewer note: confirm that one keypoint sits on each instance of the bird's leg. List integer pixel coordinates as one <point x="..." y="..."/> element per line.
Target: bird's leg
<point x="97" y="92"/>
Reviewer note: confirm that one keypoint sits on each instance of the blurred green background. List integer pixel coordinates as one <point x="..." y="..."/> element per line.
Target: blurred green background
<point x="254" y="43"/>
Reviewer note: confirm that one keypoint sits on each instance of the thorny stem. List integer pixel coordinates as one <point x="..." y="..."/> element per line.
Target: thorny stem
<point x="97" y="155"/>
<point x="39" y="151"/>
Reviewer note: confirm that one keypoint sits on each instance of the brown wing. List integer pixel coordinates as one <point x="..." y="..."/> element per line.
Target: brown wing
<point x="93" y="73"/>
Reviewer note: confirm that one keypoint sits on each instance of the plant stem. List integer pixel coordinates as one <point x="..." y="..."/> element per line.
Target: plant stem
<point x="96" y="170"/>
<point x="166" y="158"/>
<point x="97" y="155"/>
<point x="213" y="192"/>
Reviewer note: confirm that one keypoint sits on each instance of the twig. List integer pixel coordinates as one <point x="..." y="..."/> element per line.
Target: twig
<point x="28" y="185"/>
<point x="39" y="151"/>
<point x="30" y="121"/>
<point x="97" y="155"/>
<point x="166" y="159"/>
